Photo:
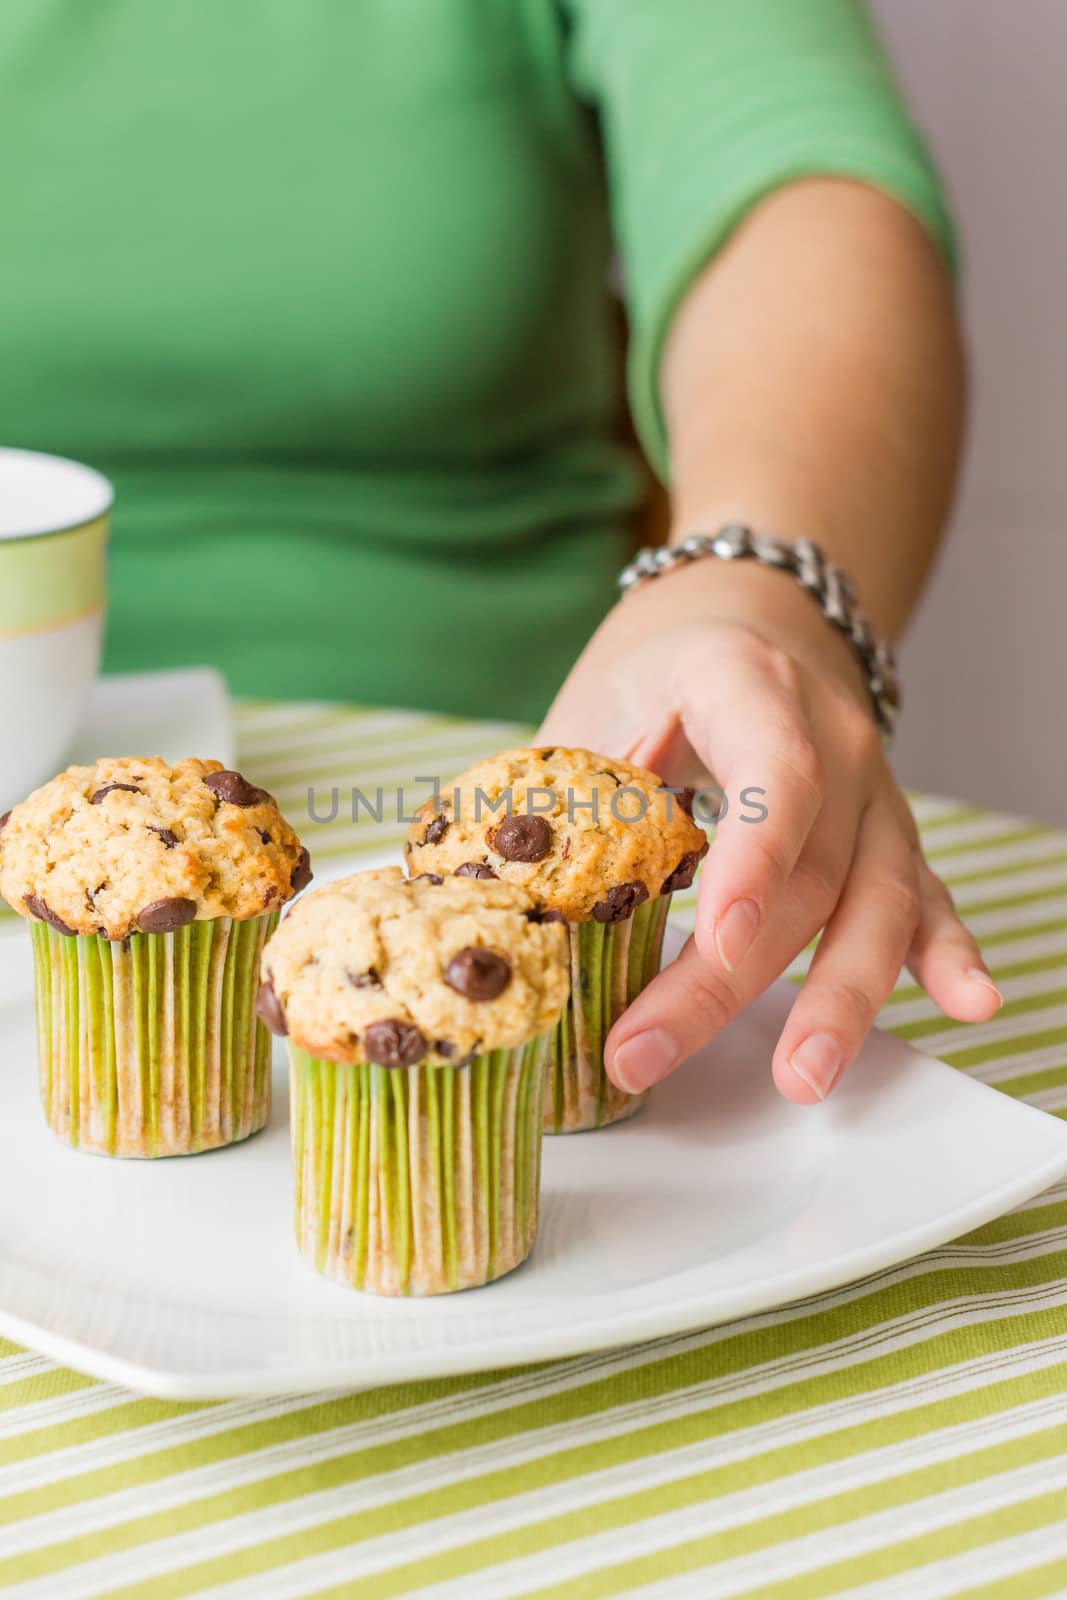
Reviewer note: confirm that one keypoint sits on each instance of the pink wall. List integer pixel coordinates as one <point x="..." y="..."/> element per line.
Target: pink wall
<point x="986" y="661"/>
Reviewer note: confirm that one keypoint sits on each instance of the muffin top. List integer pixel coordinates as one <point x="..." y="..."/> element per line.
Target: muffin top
<point x="586" y="836"/>
<point x="132" y="845"/>
<point x="381" y="968"/>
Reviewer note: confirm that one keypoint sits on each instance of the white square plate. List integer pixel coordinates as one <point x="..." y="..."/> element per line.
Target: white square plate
<point x="181" y="1277"/>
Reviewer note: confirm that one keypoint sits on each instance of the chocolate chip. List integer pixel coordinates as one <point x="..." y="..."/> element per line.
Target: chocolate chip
<point x="394" y="1044"/>
<point x="474" y="869"/>
<point x="169" y="839"/>
<point x="620" y="902"/>
<point x="427" y="877"/>
<point x="364" y="980"/>
<point x="436" y="830"/>
<point x="446" y="1048"/>
<point x="269" y="1010"/>
<point x="264" y="835"/>
<point x="4" y="820"/>
<point x="478" y="974"/>
<point x="270" y="894"/>
<point x="602" y="772"/>
<point x="684" y="872"/>
<point x="109" y="788"/>
<point x="37" y="908"/>
<point x="166" y="916"/>
<point x="521" y="838"/>
<point x="302" y="873"/>
<point x="685" y="798"/>
<point x="234" y="789"/>
<point x="546" y="916"/>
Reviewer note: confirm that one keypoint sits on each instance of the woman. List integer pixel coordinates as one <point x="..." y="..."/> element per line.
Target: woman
<point x="323" y="287"/>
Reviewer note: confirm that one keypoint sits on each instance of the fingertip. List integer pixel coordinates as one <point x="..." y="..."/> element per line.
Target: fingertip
<point x="973" y="1009"/>
<point x="808" y="1071"/>
<point x="637" y="1062"/>
<point x="979" y="981"/>
<point x="975" y="1002"/>
<point x="725" y="928"/>
<point x="792" y="1087"/>
<point x="735" y="932"/>
<point x="969" y="996"/>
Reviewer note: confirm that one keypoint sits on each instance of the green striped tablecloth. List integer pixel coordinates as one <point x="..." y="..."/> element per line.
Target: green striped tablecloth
<point x="905" y="1436"/>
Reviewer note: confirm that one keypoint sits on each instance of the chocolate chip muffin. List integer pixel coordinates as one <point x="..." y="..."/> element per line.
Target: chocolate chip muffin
<point x="150" y="890"/>
<point x="419" y="1016"/>
<point x="602" y="845"/>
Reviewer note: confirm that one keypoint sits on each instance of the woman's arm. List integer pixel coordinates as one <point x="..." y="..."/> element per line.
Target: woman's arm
<point x="812" y="387"/>
<point x="813" y="383"/>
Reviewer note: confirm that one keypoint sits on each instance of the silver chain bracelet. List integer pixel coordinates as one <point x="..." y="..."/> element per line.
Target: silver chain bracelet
<point x="829" y="586"/>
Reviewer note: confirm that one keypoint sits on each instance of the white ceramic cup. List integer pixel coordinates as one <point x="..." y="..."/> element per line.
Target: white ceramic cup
<point x="54" y="525"/>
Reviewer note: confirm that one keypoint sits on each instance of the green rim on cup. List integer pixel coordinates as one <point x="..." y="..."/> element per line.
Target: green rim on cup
<point x="53" y="534"/>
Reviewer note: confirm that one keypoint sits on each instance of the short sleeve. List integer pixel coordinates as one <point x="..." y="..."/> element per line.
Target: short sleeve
<point x="706" y="107"/>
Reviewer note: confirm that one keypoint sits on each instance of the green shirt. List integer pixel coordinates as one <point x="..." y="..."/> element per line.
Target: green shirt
<point x="323" y="285"/>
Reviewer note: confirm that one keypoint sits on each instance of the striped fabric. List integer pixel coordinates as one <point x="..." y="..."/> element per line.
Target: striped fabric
<point x="902" y="1437"/>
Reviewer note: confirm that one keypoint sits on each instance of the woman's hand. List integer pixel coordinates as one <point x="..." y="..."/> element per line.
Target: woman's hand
<point x="811" y="383"/>
<point x="731" y="670"/>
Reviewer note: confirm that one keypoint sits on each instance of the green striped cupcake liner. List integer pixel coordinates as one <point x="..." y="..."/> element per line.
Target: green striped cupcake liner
<point x="610" y="964"/>
<point x="148" y="1046"/>
<point x="418" y="1180"/>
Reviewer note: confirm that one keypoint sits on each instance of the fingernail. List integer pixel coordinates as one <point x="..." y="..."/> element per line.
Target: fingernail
<point x="735" y="931"/>
<point x="818" y="1061"/>
<point x="643" y="1060"/>
<point x="979" y="975"/>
